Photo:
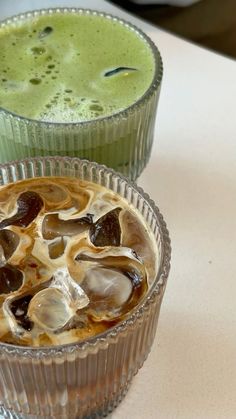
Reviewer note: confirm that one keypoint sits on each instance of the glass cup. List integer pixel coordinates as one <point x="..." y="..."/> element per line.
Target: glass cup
<point x="122" y="140"/>
<point x="89" y="378"/>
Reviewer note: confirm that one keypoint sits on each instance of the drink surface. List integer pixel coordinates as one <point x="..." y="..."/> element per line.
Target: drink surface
<point x="75" y="259"/>
<point x="71" y="67"/>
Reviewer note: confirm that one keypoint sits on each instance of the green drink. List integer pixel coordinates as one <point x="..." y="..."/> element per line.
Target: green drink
<point x="77" y="83"/>
<point x="67" y="69"/>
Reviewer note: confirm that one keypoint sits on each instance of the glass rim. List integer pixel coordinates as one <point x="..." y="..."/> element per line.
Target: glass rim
<point x="155" y="83"/>
<point x="149" y="299"/>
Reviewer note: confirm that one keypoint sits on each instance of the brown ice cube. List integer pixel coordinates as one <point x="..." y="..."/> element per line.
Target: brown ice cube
<point x="29" y="205"/>
<point x="136" y="236"/>
<point x="106" y="231"/>
<point x="25" y="245"/>
<point x="8" y="242"/>
<point x="11" y="279"/>
<point x="56" y="248"/>
<point x="53" y="226"/>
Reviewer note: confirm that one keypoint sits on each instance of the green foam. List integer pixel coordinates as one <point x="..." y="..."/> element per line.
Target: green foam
<point x="59" y="75"/>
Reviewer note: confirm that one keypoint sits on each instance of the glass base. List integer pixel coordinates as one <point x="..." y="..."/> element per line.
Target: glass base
<point x="102" y="412"/>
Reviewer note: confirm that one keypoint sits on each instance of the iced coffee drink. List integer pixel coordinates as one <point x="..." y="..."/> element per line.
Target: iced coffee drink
<point x="84" y="260"/>
<point x="75" y="260"/>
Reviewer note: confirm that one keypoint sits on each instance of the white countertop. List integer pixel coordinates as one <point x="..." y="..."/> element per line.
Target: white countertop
<point x="191" y="371"/>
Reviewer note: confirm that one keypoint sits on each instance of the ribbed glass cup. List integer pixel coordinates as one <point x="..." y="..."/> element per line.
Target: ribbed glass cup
<point x="122" y="141"/>
<point x="89" y="378"/>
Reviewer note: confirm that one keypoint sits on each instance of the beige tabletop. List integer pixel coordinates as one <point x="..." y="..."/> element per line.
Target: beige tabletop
<point x="191" y="370"/>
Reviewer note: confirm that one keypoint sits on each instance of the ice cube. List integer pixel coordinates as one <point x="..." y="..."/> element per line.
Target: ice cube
<point x="8" y="243"/>
<point x="53" y="226"/>
<point x="104" y="255"/>
<point x="45" y="32"/>
<point x="106" y="231"/>
<point x="114" y="279"/>
<point x="109" y="292"/>
<point x="136" y="236"/>
<point x="63" y="281"/>
<point x="11" y="279"/>
<point x="29" y="205"/>
<point x="50" y="309"/>
<point x="108" y="285"/>
<point x="122" y="258"/>
<point x="56" y="248"/>
<point x="119" y="70"/>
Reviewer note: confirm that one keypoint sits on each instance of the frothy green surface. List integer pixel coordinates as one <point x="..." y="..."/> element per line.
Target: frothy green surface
<point x="53" y="67"/>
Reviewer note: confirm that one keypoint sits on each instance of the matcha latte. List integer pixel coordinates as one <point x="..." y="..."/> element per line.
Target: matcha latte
<point x="80" y="83"/>
<point x="72" y="68"/>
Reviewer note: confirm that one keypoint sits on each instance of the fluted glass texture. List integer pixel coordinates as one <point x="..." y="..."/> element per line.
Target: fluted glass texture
<point x="122" y="141"/>
<point x="86" y="379"/>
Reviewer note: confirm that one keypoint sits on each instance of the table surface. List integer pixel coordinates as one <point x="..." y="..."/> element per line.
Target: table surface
<point x="191" y="370"/>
